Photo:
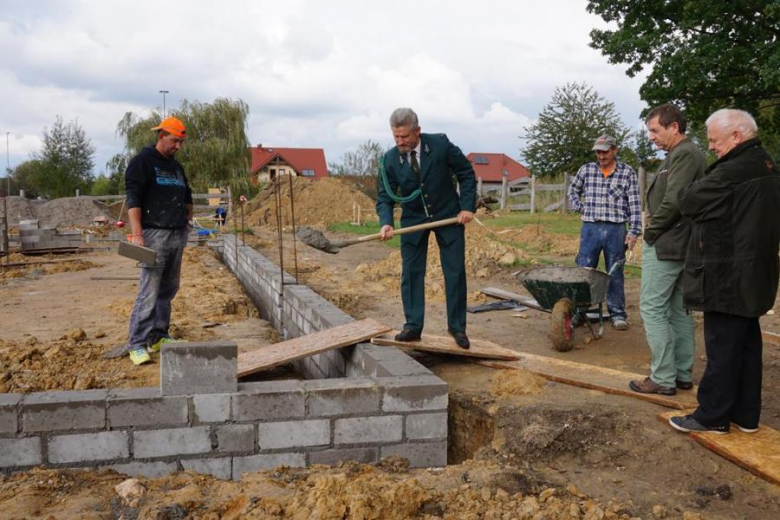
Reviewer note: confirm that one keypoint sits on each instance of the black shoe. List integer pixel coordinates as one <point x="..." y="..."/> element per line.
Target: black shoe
<point x="461" y="339"/>
<point x="687" y="424"/>
<point x="407" y="335"/>
<point x="684" y="385"/>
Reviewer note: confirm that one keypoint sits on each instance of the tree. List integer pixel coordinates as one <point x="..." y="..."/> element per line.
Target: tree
<point x="705" y="54"/>
<point x="66" y="161"/>
<point x="560" y="141"/>
<point x="22" y="177"/>
<point x="362" y="162"/>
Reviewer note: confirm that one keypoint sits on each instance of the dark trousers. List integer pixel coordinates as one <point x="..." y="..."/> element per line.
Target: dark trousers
<point x="730" y="389"/>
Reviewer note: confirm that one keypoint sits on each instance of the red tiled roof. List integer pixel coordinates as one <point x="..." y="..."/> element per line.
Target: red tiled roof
<point x="490" y="166"/>
<point x="299" y="158"/>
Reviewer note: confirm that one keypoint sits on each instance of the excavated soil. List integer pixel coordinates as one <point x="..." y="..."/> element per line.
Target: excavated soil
<point x="60" y="213"/>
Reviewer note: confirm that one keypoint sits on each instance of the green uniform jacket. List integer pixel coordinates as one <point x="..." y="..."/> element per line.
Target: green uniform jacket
<point x="667" y="230"/>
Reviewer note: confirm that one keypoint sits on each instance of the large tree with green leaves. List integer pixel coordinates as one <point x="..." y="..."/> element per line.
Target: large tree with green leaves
<point x="364" y="161"/>
<point x="65" y="163"/>
<point x="704" y="54"/>
<point x="561" y="139"/>
<point x="216" y="151"/>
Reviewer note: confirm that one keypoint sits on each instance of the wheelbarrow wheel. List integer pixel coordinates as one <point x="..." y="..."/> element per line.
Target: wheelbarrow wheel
<point x="561" y="328"/>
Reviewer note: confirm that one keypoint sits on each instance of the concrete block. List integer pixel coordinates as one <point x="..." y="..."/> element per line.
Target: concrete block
<point x="364" y="430"/>
<point x="426" y="426"/>
<point x="146" y="469"/>
<point x="8" y="412"/>
<point x="274" y="436"/>
<point x="268" y="401"/>
<point x="414" y="393"/>
<point x="333" y="457"/>
<point x="243" y="465"/>
<point x="145" y="407"/>
<point x="421" y="455"/>
<point x="198" y="368"/>
<point x="405" y="366"/>
<point x="221" y="468"/>
<point x="333" y="397"/>
<point x="211" y="407"/>
<point x="89" y="447"/>
<point x="73" y="410"/>
<point x="235" y="437"/>
<point x="175" y="441"/>
<point x="20" y="452"/>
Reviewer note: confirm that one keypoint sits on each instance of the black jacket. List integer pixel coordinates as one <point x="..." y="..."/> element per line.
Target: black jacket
<point x="731" y="264"/>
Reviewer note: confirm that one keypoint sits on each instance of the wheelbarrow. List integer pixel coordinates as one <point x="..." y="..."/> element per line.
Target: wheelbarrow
<point x="568" y="292"/>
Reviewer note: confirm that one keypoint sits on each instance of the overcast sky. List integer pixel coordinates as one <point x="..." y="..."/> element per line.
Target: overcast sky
<point x="315" y="74"/>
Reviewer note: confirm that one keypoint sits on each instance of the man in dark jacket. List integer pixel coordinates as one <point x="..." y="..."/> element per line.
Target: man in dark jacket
<point x="423" y="169"/>
<point x="160" y="210"/>
<point x="731" y="270"/>
<point x="669" y="329"/>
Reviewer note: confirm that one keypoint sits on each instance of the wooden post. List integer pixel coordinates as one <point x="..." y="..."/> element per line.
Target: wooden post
<point x="358" y="214"/>
<point x="533" y="194"/>
<point x="479" y="186"/>
<point x="504" y="189"/>
<point x="566" y="181"/>
<point x="642" y="184"/>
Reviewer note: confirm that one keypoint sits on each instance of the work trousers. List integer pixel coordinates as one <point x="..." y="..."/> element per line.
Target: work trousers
<point x="669" y="329"/>
<point x="730" y="389"/>
<point x="610" y="238"/>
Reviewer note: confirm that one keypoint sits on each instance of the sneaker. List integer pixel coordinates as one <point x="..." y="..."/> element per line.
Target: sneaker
<point x="160" y="342"/>
<point x="648" y="386"/>
<point x="139" y="356"/>
<point x="619" y="324"/>
<point x="687" y="424"/>
<point x="744" y="429"/>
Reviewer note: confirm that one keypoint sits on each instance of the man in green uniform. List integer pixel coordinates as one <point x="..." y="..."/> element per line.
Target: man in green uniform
<point x="422" y="172"/>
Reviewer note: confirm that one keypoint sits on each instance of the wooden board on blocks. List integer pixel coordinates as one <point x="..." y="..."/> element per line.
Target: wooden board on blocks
<point x="446" y="345"/>
<point x="593" y="377"/>
<point x="304" y="346"/>
<point x="506" y="295"/>
<point x="759" y="452"/>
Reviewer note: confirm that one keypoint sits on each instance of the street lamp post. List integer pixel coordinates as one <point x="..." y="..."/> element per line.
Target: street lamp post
<point x="163" y="92"/>
<point x="7" y="164"/>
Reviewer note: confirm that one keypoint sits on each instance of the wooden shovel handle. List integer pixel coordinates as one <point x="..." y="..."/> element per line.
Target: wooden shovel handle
<point x="412" y="229"/>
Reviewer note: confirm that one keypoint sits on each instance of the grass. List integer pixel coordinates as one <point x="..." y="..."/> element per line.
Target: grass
<point x="555" y="223"/>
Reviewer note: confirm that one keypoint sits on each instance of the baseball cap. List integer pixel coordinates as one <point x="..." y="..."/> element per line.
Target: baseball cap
<point x="173" y="126"/>
<point x="604" y="143"/>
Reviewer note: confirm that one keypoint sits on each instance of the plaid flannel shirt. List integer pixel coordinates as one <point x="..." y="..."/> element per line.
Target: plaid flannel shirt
<point x="611" y="199"/>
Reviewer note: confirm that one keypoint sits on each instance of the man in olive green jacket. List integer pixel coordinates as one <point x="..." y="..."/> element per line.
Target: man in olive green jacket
<point x="669" y="329"/>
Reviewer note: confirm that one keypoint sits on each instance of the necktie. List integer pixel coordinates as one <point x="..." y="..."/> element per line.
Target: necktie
<point x="414" y="164"/>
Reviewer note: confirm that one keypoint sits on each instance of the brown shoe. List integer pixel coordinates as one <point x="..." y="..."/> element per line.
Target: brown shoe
<point x="648" y="386"/>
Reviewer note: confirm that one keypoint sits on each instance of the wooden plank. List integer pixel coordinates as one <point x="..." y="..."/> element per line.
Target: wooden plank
<point x="555" y="205"/>
<point x="501" y="294"/>
<point x="592" y="377"/>
<point x="759" y="452"/>
<point x="446" y="345"/>
<point x="304" y="346"/>
<point x="115" y="277"/>
<point x="771" y="337"/>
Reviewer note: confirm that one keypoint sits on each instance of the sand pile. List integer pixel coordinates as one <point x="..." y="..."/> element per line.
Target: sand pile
<point x="60" y="213"/>
<point x="317" y="203"/>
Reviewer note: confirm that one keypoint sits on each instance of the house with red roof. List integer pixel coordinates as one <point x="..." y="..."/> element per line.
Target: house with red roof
<point x="269" y="162"/>
<point x="492" y="168"/>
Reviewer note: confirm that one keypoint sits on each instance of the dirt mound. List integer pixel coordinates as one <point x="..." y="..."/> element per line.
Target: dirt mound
<point x="60" y="213"/>
<point x="37" y="269"/>
<point x="317" y="203"/>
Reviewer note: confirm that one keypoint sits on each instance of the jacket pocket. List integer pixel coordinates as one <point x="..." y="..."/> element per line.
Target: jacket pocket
<point x="693" y="284"/>
<point x="672" y="243"/>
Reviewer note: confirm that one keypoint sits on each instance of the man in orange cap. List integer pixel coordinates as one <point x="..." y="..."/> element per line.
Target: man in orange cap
<point x="160" y="211"/>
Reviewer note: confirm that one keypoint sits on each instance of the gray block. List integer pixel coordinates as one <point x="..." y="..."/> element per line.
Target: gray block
<point x="414" y="393"/>
<point x="235" y="437"/>
<point x="211" y="407"/>
<point x="89" y="447"/>
<point x="221" y="468"/>
<point x="333" y="397"/>
<point x="364" y="430"/>
<point x="8" y="412"/>
<point x="243" y="465"/>
<point x="268" y="401"/>
<point x="333" y="457"/>
<point x="146" y="469"/>
<point x="20" y="452"/>
<point x="175" y="441"/>
<point x="145" y="407"/>
<point x="426" y="426"/>
<point x="422" y="455"/>
<point x="198" y="368"/>
<point x="405" y="366"/>
<point x="274" y="436"/>
<point x="73" y="410"/>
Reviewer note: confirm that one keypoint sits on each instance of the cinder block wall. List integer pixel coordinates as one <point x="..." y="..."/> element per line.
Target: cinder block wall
<point x="361" y="403"/>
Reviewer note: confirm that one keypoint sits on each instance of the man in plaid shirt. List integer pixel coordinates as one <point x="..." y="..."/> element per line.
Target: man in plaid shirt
<point x="606" y="194"/>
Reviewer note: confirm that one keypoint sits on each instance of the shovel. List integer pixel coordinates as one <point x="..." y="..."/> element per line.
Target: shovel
<point x="312" y="237"/>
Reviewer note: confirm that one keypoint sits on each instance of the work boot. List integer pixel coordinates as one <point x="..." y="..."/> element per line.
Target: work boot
<point x="461" y="339"/>
<point x="648" y="386"/>
<point x="683" y="385"/>
<point x="407" y="335"/>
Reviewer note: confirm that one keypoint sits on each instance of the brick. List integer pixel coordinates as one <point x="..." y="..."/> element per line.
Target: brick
<point x="243" y="465"/>
<point x="211" y="407"/>
<point x="89" y="447"/>
<point x="73" y="410"/>
<point x="268" y="401"/>
<point x="332" y="397"/>
<point x="274" y="436"/>
<point x="426" y="426"/>
<point x="235" y="437"/>
<point x="20" y="452"/>
<point x="175" y="441"/>
<point x="422" y="455"/>
<point x="146" y="469"/>
<point x="221" y="468"/>
<point x="416" y="393"/>
<point x="145" y="407"/>
<point x="198" y="368"/>
<point x="362" y="430"/>
<point x="333" y="457"/>
<point x="8" y="412"/>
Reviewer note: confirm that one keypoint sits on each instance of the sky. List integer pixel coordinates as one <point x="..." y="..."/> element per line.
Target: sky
<point x="319" y="74"/>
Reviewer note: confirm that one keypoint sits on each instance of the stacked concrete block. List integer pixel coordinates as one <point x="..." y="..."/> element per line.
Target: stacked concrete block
<point x="3" y="234"/>
<point x="198" y="368"/>
<point x="33" y="237"/>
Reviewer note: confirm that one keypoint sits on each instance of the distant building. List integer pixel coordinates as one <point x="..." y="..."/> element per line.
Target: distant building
<point x="267" y="163"/>
<point x="492" y="168"/>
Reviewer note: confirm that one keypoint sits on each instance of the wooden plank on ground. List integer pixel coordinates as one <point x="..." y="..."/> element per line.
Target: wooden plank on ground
<point x="304" y="346"/>
<point x="501" y="294"/>
<point x="759" y="452"/>
<point x="593" y="377"/>
<point x="115" y="277"/>
<point x="446" y="345"/>
<point x="771" y="337"/>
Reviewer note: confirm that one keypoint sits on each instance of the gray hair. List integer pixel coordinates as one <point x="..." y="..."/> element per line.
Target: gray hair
<point x="404" y="117"/>
<point x="730" y="119"/>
